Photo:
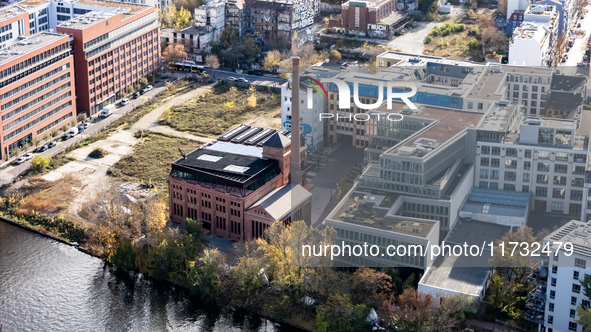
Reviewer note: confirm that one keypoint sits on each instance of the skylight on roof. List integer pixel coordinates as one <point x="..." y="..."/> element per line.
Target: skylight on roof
<point x="208" y="157"/>
<point x="236" y="169"/>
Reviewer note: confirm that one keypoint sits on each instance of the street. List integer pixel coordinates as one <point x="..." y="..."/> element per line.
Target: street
<point x="577" y="51"/>
<point x="9" y="171"/>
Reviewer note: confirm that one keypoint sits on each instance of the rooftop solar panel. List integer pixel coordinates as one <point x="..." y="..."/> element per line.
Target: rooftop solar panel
<point x="260" y="136"/>
<point x="233" y="133"/>
<point x="246" y="135"/>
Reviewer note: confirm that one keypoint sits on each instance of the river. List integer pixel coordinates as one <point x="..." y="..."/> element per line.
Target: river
<point x="49" y="286"/>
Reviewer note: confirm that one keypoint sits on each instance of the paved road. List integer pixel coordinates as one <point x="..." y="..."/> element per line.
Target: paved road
<point x="9" y="171"/>
<point x="577" y="51"/>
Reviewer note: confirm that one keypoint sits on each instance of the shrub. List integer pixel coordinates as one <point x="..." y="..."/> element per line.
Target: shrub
<point x="98" y="153"/>
<point x="428" y="39"/>
<point x="39" y="164"/>
<point x="475" y="44"/>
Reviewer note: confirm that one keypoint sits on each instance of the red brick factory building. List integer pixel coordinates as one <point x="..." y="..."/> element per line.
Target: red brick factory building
<point x="239" y="185"/>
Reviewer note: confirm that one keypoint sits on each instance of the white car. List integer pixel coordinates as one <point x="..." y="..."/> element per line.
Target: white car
<point x="232" y="78"/>
<point x="148" y="88"/>
<point x="24" y="158"/>
<point x="28" y="156"/>
<point x="124" y="101"/>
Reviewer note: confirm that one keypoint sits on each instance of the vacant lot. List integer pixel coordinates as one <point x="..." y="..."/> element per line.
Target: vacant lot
<point x="455" y="40"/>
<point x="151" y="158"/>
<point x="49" y="198"/>
<point x="214" y="112"/>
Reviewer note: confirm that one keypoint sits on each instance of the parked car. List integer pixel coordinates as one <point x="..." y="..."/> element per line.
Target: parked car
<point x="124" y="101"/>
<point x="86" y="125"/>
<point x="73" y="132"/>
<point x="19" y="160"/>
<point x="148" y="88"/>
<point x="585" y="57"/>
<point x="42" y="148"/>
<point x="51" y="144"/>
<point x="579" y="25"/>
<point x="28" y="156"/>
<point x="232" y="78"/>
<point x="136" y="95"/>
<point x="80" y="128"/>
<point x="582" y="17"/>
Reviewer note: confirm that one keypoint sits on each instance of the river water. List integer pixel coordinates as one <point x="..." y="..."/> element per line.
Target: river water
<point x="48" y="286"/>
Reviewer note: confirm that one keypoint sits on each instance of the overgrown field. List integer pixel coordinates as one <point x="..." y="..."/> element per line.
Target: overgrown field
<point x="151" y="158"/>
<point x="224" y="106"/>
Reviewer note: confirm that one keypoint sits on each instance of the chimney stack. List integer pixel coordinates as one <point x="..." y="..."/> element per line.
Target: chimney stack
<point x="296" y="163"/>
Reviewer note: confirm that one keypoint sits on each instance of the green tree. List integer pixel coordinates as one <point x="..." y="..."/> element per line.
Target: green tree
<point x="250" y="48"/>
<point x="143" y="81"/>
<point x="82" y="117"/>
<point x="513" y="267"/>
<point x="175" y="18"/>
<point x="584" y="318"/>
<point x="39" y="164"/>
<point x="272" y="60"/>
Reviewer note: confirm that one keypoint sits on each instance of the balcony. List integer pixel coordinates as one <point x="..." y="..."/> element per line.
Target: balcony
<point x="536" y="305"/>
<point x="534" y="316"/>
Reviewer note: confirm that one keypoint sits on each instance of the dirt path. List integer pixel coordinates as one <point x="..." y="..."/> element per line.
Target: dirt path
<point x="92" y="173"/>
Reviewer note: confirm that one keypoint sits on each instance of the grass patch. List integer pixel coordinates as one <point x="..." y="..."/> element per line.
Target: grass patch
<point x="127" y="120"/>
<point x="151" y="158"/>
<point x="215" y="111"/>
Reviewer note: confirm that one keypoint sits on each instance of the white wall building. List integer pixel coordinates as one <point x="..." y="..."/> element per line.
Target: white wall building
<point x="530" y="45"/>
<point x="311" y="126"/>
<point x="564" y="292"/>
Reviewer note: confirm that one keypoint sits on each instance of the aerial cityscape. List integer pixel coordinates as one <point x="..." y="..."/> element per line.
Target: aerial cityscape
<point x="295" y="165"/>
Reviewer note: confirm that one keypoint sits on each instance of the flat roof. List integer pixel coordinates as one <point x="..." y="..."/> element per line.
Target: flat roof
<point x="576" y="232"/>
<point x="370" y="209"/>
<point x="87" y="20"/>
<point x="497" y="210"/>
<point x="28" y="45"/>
<point x="130" y="7"/>
<point x="464" y="274"/>
<point x="393" y="18"/>
<point x="448" y="123"/>
<point x="11" y="11"/>
<point x="226" y="168"/>
<point x="247" y="150"/>
<point x="489" y="86"/>
<point x="552" y="123"/>
<point x="497" y="118"/>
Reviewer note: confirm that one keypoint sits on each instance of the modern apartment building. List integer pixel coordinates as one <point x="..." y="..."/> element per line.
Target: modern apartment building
<point x="14" y="22"/>
<point x="564" y="292"/>
<point x="532" y="43"/>
<point x="239" y="185"/>
<point x="113" y="50"/>
<point x="37" y="91"/>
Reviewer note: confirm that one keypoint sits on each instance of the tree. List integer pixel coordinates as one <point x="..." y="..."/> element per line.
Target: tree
<point x="39" y="164"/>
<point x="143" y="81"/>
<point x="82" y="117"/>
<point x="190" y="5"/>
<point x="272" y="60"/>
<point x="211" y="61"/>
<point x="372" y="67"/>
<point x="250" y="48"/>
<point x="334" y="56"/>
<point x="228" y="37"/>
<point x="176" y="18"/>
<point x="339" y="314"/>
<point x="584" y="318"/>
<point x="413" y="311"/>
<point x="366" y="284"/>
<point x="174" y="53"/>
<point x="451" y="314"/>
<point x="493" y="40"/>
<point x="512" y="265"/>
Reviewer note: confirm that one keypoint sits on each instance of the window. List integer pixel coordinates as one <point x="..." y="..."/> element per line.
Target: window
<point x="576" y="275"/>
<point x="509" y="163"/>
<point x="576" y="288"/>
<point x="511" y="152"/>
<point x="573" y="313"/>
<point x="551" y="307"/>
<point x="484" y="173"/>
<point x="541" y="191"/>
<point x="580" y="263"/>
<point x="558" y="168"/>
<point x="557" y="206"/>
<point x="484" y="162"/>
<point x="573" y="300"/>
<point x="509" y="187"/>
<point x="510" y="176"/>
<point x="525" y="177"/>
<point x="550" y="319"/>
<point x="554" y="269"/>
<point x="543" y="167"/>
<point x="572" y="326"/>
<point x="527" y="153"/>
<point x="552" y="294"/>
<point x="495" y="162"/>
<point x="527" y="165"/>
<point x="494" y="174"/>
<point x="495" y="150"/>
<point x="553" y="282"/>
<point x="486" y="150"/>
<point x="558" y="192"/>
<point x="542" y="179"/>
<point x="525" y="189"/>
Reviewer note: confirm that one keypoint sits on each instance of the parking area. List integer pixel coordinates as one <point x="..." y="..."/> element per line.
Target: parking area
<point x="577" y="52"/>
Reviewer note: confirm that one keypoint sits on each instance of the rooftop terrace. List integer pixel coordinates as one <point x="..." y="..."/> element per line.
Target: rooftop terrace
<point x="576" y="232"/>
<point x="370" y="209"/>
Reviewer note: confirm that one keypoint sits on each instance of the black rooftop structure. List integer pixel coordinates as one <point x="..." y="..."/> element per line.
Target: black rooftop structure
<point x="277" y="140"/>
<point x="225" y="168"/>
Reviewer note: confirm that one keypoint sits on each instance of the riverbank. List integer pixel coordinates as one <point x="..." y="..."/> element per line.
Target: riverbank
<point x="172" y="283"/>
